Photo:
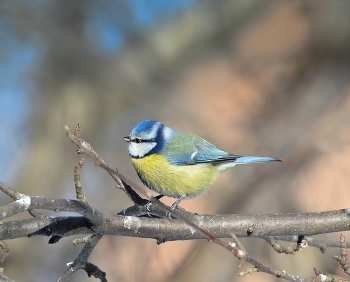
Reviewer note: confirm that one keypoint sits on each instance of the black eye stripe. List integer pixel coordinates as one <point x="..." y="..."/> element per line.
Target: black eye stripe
<point x="136" y="140"/>
<point x="139" y="140"/>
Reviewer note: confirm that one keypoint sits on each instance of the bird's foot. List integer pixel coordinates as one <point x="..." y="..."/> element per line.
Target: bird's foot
<point x="174" y="206"/>
<point x="148" y="208"/>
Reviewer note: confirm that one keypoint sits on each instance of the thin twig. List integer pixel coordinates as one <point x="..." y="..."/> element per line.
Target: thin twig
<point x="327" y="277"/>
<point x="85" y="147"/>
<point x="81" y="262"/>
<point x="78" y="185"/>
<point x="4" y="251"/>
<point x="312" y="242"/>
<point x="343" y="259"/>
<point x="279" y="248"/>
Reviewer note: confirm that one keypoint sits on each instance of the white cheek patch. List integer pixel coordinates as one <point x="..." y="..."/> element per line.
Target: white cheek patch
<point x="139" y="150"/>
<point x="167" y="132"/>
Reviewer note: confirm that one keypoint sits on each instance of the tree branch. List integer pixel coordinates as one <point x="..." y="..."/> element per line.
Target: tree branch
<point x="147" y="220"/>
<point x="81" y="262"/>
<point x="221" y="226"/>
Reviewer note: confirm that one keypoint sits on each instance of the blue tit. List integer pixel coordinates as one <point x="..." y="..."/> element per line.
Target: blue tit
<point x="178" y="164"/>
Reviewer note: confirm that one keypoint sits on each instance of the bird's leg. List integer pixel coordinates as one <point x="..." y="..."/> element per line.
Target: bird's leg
<point x="175" y="205"/>
<point x="177" y="202"/>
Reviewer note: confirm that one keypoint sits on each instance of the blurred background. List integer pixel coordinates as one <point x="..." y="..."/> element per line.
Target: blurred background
<point x="253" y="77"/>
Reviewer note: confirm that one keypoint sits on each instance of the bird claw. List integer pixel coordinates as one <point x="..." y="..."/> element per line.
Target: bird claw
<point x="167" y="214"/>
<point x="148" y="208"/>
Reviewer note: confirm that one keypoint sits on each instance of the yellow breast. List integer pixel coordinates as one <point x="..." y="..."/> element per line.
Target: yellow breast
<point x="175" y="180"/>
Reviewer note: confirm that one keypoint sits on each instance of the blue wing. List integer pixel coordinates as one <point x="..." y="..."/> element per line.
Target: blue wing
<point x="198" y="157"/>
<point x="208" y="153"/>
<point x="189" y="149"/>
<point x="203" y="152"/>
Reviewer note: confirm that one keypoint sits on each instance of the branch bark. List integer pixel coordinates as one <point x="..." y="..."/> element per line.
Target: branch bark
<point x="220" y="226"/>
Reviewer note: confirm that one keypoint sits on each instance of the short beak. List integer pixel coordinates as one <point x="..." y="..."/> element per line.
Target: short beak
<point x="126" y="138"/>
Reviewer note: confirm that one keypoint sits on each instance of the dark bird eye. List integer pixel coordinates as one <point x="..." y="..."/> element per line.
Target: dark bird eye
<point x="137" y="140"/>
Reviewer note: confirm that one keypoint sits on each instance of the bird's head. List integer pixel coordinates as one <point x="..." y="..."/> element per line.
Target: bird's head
<point x="148" y="137"/>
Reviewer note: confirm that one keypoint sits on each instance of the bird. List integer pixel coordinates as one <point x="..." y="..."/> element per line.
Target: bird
<point x="179" y="164"/>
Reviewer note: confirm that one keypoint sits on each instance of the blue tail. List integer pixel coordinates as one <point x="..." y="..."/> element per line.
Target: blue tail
<point x="255" y="159"/>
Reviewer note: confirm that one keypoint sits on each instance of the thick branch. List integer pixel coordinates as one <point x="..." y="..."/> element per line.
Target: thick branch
<point x="220" y="226"/>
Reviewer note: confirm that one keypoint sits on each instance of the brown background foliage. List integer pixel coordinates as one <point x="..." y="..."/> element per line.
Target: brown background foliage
<point x="253" y="77"/>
